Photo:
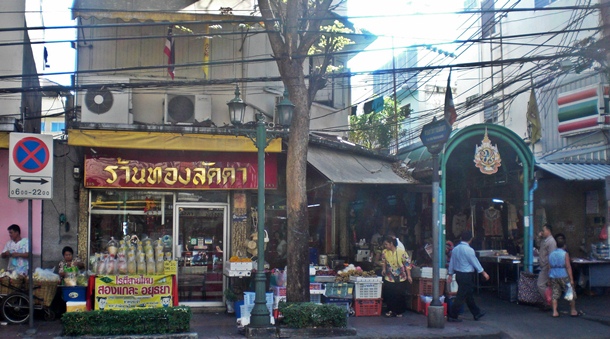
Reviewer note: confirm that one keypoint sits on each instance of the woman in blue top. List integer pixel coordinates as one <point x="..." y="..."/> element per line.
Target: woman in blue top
<point x="560" y="275"/>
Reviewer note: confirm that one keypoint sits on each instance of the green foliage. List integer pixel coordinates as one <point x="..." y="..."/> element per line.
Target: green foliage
<point x="229" y="294"/>
<point x="310" y="315"/>
<point x="331" y="40"/>
<point x="138" y="321"/>
<point x="377" y="130"/>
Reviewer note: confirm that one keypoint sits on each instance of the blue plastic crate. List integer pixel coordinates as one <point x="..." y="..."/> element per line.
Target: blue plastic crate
<point x="74" y="293"/>
<point x="250" y="296"/>
<point x="341" y="302"/>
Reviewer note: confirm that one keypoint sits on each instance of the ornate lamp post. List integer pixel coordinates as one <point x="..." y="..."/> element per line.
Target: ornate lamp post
<point x="237" y="109"/>
<point x="259" y="317"/>
<point x="285" y="108"/>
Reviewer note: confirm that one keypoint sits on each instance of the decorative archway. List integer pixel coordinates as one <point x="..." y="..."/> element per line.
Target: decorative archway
<point x="510" y="143"/>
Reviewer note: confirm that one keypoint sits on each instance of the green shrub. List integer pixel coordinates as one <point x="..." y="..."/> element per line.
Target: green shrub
<point x="310" y="315"/>
<point x="138" y="321"/>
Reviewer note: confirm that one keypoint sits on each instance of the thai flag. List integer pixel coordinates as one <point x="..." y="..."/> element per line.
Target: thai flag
<point x="169" y="51"/>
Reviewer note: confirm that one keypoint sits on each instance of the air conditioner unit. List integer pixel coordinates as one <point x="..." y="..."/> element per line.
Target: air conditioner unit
<point x="186" y="109"/>
<point x="105" y="105"/>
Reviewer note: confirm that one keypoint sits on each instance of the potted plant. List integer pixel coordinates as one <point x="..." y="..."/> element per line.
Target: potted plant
<point x="230" y="298"/>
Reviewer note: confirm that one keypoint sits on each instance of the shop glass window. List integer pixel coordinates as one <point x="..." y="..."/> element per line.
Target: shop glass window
<point x="120" y="213"/>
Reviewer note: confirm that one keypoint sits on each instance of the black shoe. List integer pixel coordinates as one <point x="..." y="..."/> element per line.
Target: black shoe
<point x="454" y="320"/>
<point x="480" y="315"/>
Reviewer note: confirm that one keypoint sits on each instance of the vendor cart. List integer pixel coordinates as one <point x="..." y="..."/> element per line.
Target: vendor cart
<point x="15" y="302"/>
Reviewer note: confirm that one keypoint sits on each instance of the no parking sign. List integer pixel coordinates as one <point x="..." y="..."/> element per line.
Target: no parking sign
<point x="30" y="166"/>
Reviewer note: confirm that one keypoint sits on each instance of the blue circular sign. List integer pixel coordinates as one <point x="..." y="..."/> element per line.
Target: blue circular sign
<point x="31" y="155"/>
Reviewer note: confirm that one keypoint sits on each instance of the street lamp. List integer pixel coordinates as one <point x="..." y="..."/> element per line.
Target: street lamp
<point x="237" y="108"/>
<point x="259" y="317"/>
<point x="285" y="109"/>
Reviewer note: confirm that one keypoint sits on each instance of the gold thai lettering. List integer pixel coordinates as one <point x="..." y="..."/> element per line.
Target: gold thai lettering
<point x="199" y="176"/>
<point x="171" y="177"/>
<point x="244" y="172"/>
<point x="135" y="180"/>
<point x="228" y="173"/>
<point x="214" y="172"/>
<point x="154" y="175"/>
<point x="127" y="170"/>
<point x="113" y="175"/>
<point x="186" y="180"/>
<point x="203" y="175"/>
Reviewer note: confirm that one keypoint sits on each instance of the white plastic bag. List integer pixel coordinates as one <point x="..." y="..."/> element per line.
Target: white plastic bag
<point x="453" y="287"/>
<point x="569" y="296"/>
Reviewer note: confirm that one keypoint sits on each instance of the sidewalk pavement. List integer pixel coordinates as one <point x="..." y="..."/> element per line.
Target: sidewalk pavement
<point x="504" y="320"/>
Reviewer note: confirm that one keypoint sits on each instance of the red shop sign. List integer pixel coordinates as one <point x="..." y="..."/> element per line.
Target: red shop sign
<point x="222" y="171"/>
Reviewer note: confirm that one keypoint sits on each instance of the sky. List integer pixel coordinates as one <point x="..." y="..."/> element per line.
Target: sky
<point x="394" y="21"/>
<point x="61" y="56"/>
<point x="397" y="23"/>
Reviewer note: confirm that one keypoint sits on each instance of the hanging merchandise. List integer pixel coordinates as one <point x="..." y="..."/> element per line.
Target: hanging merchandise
<point x="251" y="245"/>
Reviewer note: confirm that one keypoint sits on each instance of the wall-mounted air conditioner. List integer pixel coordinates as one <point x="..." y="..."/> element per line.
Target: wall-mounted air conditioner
<point x="186" y="109"/>
<point x="104" y="104"/>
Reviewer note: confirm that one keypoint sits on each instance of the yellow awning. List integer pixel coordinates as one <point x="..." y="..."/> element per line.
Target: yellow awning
<point x="4" y="140"/>
<point x="165" y="141"/>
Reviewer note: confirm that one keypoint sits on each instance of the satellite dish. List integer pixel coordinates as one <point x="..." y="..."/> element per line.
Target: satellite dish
<point x="99" y="101"/>
<point x="181" y="109"/>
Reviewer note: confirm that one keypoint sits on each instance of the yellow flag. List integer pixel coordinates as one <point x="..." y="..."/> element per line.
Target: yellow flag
<point x="206" y="52"/>
<point x="533" y="118"/>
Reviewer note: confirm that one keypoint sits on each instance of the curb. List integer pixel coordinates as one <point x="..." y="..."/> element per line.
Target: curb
<point x="190" y="335"/>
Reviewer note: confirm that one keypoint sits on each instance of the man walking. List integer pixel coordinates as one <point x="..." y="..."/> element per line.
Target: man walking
<point x="465" y="265"/>
<point x="547" y="245"/>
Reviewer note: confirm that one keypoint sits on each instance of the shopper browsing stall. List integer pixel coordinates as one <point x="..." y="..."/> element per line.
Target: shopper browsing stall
<point x="396" y="268"/>
<point x="562" y="280"/>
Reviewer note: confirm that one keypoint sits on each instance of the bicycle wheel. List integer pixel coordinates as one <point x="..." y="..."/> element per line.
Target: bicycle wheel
<point x="16" y="308"/>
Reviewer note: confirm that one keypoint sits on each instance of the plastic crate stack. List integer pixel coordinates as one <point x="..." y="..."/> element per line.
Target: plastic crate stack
<point x="367" y="296"/>
<point x="248" y="305"/>
<point x="422" y="287"/>
<point x="339" y="294"/>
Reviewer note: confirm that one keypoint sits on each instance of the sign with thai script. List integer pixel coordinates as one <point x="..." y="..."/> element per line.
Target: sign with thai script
<point x="434" y="135"/>
<point x="120" y="292"/>
<point x="170" y="267"/>
<point x="233" y="171"/>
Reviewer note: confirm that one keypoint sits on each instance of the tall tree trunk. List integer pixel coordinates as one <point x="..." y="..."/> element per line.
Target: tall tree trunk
<point x="296" y="190"/>
<point x="285" y="22"/>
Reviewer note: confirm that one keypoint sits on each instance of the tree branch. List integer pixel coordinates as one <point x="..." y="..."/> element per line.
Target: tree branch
<point x="273" y="32"/>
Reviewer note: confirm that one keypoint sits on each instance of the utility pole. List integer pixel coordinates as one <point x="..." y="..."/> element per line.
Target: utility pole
<point x="395" y="104"/>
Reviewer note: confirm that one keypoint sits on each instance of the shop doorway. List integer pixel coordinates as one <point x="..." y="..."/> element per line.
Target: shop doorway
<point x="200" y="246"/>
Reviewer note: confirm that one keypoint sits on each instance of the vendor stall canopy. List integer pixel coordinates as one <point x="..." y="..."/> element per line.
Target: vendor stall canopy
<point x="577" y="171"/>
<point x="350" y="168"/>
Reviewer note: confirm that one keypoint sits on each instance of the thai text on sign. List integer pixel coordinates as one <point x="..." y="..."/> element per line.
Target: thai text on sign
<point x="122" y="292"/>
<point x="210" y="172"/>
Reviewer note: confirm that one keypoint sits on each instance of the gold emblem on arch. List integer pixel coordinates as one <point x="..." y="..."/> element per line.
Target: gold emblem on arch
<point x="487" y="157"/>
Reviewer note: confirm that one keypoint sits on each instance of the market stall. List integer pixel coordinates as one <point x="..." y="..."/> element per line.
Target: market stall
<point x="123" y="282"/>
